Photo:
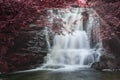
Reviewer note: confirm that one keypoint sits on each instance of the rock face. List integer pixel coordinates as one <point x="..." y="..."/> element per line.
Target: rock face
<point x="114" y="51"/>
<point x="29" y="50"/>
<point x="32" y="40"/>
<point x="111" y="58"/>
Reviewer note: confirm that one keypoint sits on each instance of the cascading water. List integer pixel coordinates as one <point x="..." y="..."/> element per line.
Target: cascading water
<point x="73" y="49"/>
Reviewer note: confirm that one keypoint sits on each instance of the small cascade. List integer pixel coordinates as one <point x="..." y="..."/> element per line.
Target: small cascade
<point x="73" y="49"/>
<point x="47" y="37"/>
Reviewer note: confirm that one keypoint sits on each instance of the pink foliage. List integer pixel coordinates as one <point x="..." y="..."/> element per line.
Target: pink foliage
<point x="82" y="3"/>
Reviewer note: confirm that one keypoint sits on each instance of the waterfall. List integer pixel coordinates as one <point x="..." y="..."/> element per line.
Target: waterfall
<point x="73" y="49"/>
<point x="47" y="37"/>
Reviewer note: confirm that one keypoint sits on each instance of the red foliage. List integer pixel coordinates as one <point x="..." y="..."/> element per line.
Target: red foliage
<point x="109" y="11"/>
<point x="14" y="16"/>
<point x="82" y="3"/>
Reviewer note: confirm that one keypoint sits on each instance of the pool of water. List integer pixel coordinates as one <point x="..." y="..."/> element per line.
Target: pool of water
<point x="81" y="74"/>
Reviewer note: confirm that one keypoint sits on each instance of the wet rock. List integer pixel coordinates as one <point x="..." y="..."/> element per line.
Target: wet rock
<point x="112" y="56"/>
<point x="96" y="65"/>
<point x="107" y="61"/>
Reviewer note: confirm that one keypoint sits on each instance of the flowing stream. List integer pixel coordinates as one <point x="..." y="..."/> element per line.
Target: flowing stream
<point x="84" y="74"/>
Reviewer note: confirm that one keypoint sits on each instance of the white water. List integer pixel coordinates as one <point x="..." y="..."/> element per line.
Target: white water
<point x="73" y="50"/>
